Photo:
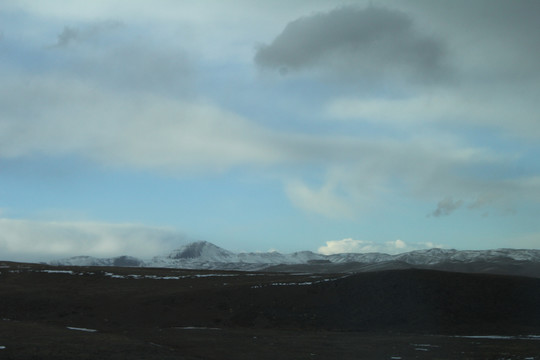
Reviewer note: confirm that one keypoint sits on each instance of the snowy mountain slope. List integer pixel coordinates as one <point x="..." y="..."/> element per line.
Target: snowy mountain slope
<point x="93" y="261"/>
<point x="205" y="255"/>
<point x="361" y="258"/>
<point x="434" y="256"/>
<point x="202" y="250"/>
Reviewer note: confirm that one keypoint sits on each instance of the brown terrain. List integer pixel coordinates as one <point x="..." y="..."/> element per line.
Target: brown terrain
<point x="148" y="313"/>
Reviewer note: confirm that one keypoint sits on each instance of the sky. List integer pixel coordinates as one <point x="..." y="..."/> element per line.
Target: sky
<point x="135" y="127"/>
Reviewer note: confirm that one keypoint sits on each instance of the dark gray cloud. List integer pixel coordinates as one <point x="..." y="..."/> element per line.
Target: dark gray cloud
<point x="446" y="206"/>
<point x="68" y="35"/>
<point x="370" y="42"/>
<point x="499" y="37"/>
<point x="71" y="35"/>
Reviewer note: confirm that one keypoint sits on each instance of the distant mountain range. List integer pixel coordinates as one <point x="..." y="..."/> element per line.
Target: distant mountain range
<point x="205" y="255"/>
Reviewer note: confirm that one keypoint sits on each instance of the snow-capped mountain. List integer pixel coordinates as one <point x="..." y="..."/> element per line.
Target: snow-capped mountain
<point x="434" y="256"/>
<point x="202" y="250"/>
<point x="93" y="261"/>
<point x="205" y="255"/>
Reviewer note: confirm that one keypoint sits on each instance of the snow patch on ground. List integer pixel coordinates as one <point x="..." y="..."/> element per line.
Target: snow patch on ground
<point x="195" y="328"/>
<point x="155" y="277"/>
<point x="58" y="272"/>
<point x="81" y="329"/>
<point x="424" y="347"/>
<point x="500" y="337"/>
<point x="304" y="283"/>
<point x="134" y="276"/>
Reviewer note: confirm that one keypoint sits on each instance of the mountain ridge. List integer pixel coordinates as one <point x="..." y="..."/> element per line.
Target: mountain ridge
<point x="206" y="255"/>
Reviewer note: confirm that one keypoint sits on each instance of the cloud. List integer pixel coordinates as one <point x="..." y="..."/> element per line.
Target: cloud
<point x="124" y="101"/>
<point x="111" y="54"/>
<point x="471" y="106"/>
<point x="350" y="245"/>
<point x="72" y="35"/>
<point x="26" y="240"/>
<point x="123" y="98"/>
<point x="411" y="110"/>
<point x="323" y="201"/>
<point x="446" y="207"/>
<point x="56" y="116"/>
<point x="362" y="174"/>
<point x="374" y="42"/>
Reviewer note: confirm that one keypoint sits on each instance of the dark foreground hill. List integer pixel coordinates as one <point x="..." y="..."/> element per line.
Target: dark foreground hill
<point x="136" y="313"/>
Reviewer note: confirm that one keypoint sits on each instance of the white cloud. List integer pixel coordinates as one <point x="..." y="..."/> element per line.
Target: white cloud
<point x="61" y="115"/>
<point x="350" y="245"/>
<point x="26" y="240"/>
<point x="362" y="173"/>
<point x="468" y="106"/>
<point x="399" y="244"/>
<point x="55" y="115"/>
<point x="322" y="201"/>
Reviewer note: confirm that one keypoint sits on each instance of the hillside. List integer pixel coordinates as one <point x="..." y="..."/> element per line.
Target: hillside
<point x="130" y="307"/>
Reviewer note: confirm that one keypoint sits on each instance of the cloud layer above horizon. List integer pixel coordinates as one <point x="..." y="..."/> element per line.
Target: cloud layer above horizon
<point x="25" y="240"/>
<point x="280" y="125"/>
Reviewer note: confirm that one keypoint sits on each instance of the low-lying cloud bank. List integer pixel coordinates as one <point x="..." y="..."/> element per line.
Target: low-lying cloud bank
<point x="350" y="245"/>
<point x="35" y="241"/>
<point x="26" y="240"/>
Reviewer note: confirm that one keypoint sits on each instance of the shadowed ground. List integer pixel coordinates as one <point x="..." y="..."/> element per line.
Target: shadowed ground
<point x="142" y="313"/>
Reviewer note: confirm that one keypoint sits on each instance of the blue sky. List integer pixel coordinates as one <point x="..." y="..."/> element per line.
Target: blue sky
<point x="130" y="127"/>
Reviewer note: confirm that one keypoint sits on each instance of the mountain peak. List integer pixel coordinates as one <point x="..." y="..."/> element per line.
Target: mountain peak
<point x="200" y="249"/>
